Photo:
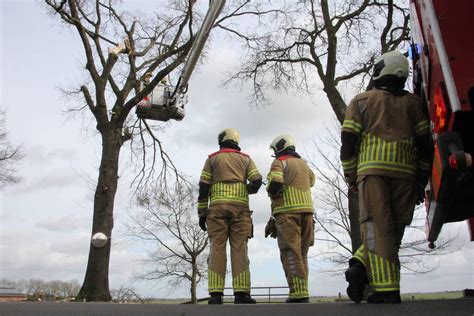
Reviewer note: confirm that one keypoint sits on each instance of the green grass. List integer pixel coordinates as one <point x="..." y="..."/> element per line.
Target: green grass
<point x="432" y="296"/>
<point x="327" y="299"/>
<point x="405" y="297"/>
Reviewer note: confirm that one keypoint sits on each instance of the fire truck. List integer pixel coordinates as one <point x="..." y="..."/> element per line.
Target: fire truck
<point x="443" y="58"/>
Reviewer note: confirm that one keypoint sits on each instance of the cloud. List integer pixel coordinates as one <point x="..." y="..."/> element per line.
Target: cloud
<point x="36" y="254"/>
<point x="46" y="168"/>
<point x="65" y="223"/>
<point x="53" y="179"/>
<point x="32" y="254"/>
<point x="41" y="155"/>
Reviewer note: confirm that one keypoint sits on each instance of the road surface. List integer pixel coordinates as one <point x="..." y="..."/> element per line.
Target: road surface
<point x="426" y="307"/>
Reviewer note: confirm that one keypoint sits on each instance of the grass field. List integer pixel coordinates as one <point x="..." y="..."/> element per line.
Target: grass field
<point x="432" y="296"/>
<point x="405" y="297"/>
<point x="324" y="299"/>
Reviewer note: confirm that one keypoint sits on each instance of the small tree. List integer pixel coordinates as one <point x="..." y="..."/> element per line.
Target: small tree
<point x="9" y="156"/>
<point x="166" y="220"/>
<point x="58" y="288"/>
<point x="8" y="283"/>
<point x="125" y="294"/>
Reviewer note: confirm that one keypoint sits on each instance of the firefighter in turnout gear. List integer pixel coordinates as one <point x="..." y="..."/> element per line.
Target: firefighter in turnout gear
<point x="228" y="177"/>
<point x="289" y="187"/>
<point x="386" y="158"/>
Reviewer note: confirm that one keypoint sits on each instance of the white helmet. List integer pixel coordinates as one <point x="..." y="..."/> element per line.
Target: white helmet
<point x="391" y="63"/>
<point x="282" y="142"/>
<point x="229" y="134"/>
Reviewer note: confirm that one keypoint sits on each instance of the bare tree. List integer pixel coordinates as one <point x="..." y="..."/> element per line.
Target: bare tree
<point x="7" y="283"/>
<point x="120" y="49"/>
<point x="10" y="155"/>
<point x="141" y="47"/>
<point x="36" y="286"/>
<point x="58" y="288"/>
<point x="70" y="288"/>
<point x="333" y="41"/>
<point x="332" y="216"/>
<point x="338" y="40"/>
<point x="125" y="294"/>
<point x="166" y="221"/>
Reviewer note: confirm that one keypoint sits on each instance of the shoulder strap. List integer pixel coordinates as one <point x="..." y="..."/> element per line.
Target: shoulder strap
<point x="284" y="161"/>
<point x="285" y="157"/>
<point x="227" y="150"/>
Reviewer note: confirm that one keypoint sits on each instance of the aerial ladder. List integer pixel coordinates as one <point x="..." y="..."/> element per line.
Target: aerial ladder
<point x="167" y="102"/>
<point x="443" y="59"/>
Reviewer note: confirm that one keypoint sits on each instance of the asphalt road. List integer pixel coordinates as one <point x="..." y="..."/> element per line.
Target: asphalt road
<point x="426" y="307"/>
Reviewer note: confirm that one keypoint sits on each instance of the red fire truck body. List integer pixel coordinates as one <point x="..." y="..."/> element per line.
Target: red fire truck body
<point x="443" y="59"/>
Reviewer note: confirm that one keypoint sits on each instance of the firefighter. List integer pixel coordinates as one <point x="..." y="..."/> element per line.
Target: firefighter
<point x="386" y="158"/>
<point x="228" y="177"/>
<point x="289" y="187"/>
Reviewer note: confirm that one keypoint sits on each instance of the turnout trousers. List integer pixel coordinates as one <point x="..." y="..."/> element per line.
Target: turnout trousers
<point x="386" y="208"/>
<point x="230" y="222"/>
<point x="295" y="234"/>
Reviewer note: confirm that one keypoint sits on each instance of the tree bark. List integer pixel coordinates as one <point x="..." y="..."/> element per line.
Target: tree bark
<point x="96" y="281"/>
<point x="194" y="283"/>
<point x="339" y="107"/>
<point x="356" y="241"/>
<point x="337" y="103"/>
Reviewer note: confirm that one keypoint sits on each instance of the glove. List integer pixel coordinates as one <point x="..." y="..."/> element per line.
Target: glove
<point x="353" y="187"/>
<point x="351" y="180"/>
<point x="202" y="222"/>
<point x="275" y="196"/>
<point x="420" y="194"/>
<point x="270" y="228"/>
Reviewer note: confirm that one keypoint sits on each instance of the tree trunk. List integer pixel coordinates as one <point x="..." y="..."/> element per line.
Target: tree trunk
<point x="354" y="220"/>
<point x="337" y="103"/>
<point x="194" y="283"/>
<point x="339" y="107"/>
<point x="96" y="281"/>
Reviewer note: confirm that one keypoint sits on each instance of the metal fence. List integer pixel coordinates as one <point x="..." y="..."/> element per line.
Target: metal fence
<point x="259" y="292"/>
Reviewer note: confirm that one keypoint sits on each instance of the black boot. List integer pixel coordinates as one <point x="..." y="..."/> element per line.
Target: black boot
<point x="356" y="275"/>
<point x="390" y="297"/>
<point x="215" y="299"/>
<point x="243" y="298"/>
<point x="298" y="300"/>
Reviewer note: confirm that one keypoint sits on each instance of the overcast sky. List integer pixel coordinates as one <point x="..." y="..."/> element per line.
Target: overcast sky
<point x="46" y="219"/>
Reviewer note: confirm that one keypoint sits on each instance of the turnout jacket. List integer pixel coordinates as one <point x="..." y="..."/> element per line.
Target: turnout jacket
<point x="385" y="134"/>
<point x="227" y="172"/>
<point x="296" y="180"/>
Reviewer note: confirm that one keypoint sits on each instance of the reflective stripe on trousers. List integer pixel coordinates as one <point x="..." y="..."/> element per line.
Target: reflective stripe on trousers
<point x="386" y="207"/>
<point x="383" y="275"/>
<point x="233" y="223"/>
<point x="295" y="235"/>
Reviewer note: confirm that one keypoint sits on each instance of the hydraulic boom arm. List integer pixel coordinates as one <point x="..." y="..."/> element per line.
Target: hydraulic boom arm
<point x="215" y="9"/>
<point x="167" y="102"/>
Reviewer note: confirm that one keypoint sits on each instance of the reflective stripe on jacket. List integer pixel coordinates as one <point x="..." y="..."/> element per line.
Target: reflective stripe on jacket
<point x="386" y="126"/>
<point x="297" y="179"/>
<point x="227" y="172"/>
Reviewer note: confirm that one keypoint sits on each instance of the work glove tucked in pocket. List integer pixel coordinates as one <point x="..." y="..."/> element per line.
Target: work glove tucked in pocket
<point x="270" y="228"/>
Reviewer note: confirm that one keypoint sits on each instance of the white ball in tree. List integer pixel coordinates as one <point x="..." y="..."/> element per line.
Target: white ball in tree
<point x="99" y="240"/>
